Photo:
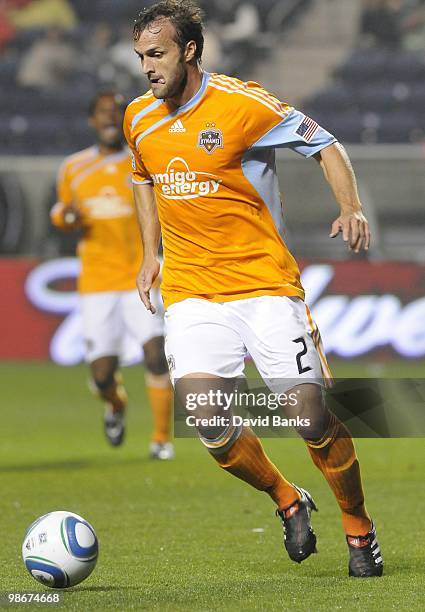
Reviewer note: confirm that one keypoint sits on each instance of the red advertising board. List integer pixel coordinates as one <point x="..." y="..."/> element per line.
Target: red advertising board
<point x="361" y="308"/>
<point x="25" y="330"/>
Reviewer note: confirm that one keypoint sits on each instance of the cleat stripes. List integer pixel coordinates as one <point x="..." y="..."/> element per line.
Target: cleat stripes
<point x="365" y="555"/>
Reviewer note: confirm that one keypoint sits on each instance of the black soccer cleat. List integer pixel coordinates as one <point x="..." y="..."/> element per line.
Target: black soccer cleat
<point x="365" y="555"/>
<point x="114" y="426"/>
<point x="299" y="537"/>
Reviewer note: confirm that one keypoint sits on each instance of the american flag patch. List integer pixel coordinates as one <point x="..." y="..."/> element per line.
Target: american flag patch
<point x="307" y="129"/>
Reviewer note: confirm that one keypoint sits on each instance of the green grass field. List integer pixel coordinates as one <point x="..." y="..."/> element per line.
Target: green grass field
<point x="184" y="535"/>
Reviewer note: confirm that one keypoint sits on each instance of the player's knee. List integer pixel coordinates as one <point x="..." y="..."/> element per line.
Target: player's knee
<point x="314" y="430"/>
<point x="204" y="398"/>
<point x="311" y="412"/>
<point x="156" y="364"/>
<point x="155" y="360"/>
<point x="103" y="378"/>
<point x="211" y="422"/>
<point x="222" y="443"/>
<point x="210" y="429"/>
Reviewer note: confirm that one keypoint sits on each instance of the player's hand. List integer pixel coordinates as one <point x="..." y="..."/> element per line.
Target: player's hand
<point x="71" y="217"/>
<point x="354" y="229"/>
<point x="145" y="279"/>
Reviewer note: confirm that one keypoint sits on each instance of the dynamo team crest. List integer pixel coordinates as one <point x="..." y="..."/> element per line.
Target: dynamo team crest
<point x="210" y="139"/>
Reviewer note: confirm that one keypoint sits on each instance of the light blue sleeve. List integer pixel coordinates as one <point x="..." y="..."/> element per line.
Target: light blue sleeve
<point x="299" y="133"/>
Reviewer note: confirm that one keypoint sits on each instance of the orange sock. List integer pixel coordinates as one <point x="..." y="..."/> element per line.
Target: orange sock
<point x="247" y="460"/>
<point x="336" y="458"/>
<point x="160" y="393"/>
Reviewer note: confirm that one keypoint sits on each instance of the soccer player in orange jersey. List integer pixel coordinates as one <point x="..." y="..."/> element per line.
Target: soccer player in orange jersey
<point x="204" y="176"/>
<point x="95" y="196"/>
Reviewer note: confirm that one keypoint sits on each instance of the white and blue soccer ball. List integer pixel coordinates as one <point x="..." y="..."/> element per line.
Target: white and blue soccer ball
<point x="60" y="549"/>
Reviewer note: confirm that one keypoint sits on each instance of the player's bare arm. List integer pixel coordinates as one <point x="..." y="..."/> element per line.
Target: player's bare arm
<point x="151" y="232"/>
<point x="339" y="173"/>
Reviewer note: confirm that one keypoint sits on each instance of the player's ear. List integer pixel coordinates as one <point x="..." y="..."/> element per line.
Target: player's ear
<point x="190" y="51"/>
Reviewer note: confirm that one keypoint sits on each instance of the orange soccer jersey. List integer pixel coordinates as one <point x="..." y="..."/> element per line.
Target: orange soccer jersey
<point x="99" y="186"/>
<point x="212" y="166"/>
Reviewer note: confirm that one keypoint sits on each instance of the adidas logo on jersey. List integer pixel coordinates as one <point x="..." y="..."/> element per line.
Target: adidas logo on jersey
<point x="177" y="127"/>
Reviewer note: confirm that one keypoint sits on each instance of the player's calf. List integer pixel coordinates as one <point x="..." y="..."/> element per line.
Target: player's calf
<point x="108" y="385"/>
<point x="160" y="394"/>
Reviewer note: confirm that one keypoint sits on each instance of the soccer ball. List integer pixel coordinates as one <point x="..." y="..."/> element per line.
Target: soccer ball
<point x="60" y="549"/>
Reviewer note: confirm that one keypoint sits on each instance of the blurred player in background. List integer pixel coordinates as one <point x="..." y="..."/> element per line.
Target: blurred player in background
<point x="95" y="197"/>
<point x="204" y="174"/>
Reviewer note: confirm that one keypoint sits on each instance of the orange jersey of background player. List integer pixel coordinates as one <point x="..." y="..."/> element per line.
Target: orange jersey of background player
<point x="99" y="188"/>
<point x="212" y="166"/>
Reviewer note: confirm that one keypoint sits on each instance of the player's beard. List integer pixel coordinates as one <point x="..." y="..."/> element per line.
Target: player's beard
<point x="175" y="87"/>
<point x="113" y="143"/>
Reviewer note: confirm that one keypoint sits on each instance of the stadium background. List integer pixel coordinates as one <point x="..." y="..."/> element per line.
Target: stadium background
<point x="358" y="68"/>
<point x="366" y="84"/>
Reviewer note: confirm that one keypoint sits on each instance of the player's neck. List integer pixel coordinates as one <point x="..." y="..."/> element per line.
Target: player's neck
<point x="193" y="84"/>
<point x="108" y="150"/>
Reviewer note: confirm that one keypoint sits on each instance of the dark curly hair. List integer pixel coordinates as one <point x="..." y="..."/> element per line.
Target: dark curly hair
<point x="106" y="93"/>
<point x="186" y="17"/>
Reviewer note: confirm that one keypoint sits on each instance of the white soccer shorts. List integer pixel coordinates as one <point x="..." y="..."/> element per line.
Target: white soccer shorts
<point x="214" y="338"/>
<point x="108" y="316"/>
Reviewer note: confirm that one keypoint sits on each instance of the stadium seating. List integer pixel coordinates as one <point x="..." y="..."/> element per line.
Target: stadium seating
<point x="377" y="96"/>
<point x="13" y="214"/>
<point x="44" y="118"/>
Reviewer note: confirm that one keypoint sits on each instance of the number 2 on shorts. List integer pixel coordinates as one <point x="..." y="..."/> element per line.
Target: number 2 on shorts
<point x="302" y="352"/>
